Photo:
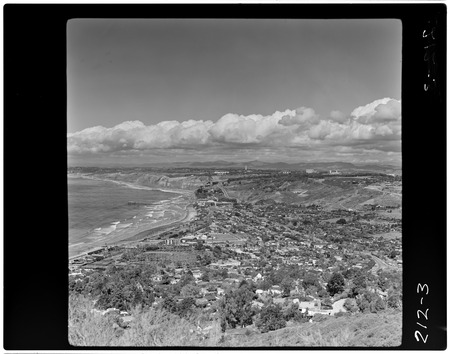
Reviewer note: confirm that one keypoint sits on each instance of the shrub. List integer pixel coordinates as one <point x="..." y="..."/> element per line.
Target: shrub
<point x="87" y="328"/>
<point x="236" y="307"/>
<point x="350" y="305"/>
<point x="150" y="327"/>
<point x="336" y="284"/>
<point x="270" y="319"/>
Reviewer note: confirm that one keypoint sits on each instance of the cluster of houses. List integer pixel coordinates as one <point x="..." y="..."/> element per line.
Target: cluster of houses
<point x="275" y="234"/>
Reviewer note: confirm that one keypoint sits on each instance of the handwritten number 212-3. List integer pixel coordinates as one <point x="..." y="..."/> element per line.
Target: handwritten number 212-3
<point x="417" y="334"/>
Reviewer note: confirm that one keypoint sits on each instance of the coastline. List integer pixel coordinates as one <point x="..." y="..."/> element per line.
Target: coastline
<point x="180" y="210"/>
<point x="132" y="185"/>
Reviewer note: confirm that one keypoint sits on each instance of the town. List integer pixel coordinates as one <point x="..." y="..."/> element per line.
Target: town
<point x="306" y="252"/>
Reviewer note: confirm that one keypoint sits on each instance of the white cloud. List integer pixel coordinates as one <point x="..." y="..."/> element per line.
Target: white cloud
<point x="379" y="111"/>
<point x="338" y="116"/>
<point x="303" y="115"/>
<point x="375" y="126"/>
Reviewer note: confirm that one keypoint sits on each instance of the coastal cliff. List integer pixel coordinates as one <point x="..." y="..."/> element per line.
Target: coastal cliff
<point x="154" y="180"/>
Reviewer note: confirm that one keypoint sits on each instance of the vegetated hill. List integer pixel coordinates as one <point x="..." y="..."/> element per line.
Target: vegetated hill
<point x="157" y="327"/>
<point x="383" y="329"/>
<point x="327" y="193"/>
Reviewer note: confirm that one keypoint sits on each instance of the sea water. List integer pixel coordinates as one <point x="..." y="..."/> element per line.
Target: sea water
<point x="99" y="207"/>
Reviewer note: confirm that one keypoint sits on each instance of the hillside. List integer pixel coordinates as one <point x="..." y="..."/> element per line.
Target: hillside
<point x="366" y="330"/>
<point x="330" y="193"/>
<point x="159" y="328"/>
<point x="155" y="180"/>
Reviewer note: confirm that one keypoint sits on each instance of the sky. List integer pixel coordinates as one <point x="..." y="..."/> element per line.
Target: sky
<point x="162" y="90"/>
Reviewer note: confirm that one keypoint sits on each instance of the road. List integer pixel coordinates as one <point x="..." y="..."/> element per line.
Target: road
<point x="379" y="262"/>
<point x="339" y="306"/>
<point x="224" y="191"/>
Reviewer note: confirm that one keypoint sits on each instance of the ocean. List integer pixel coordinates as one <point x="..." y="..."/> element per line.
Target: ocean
<point x="97" y="208"/>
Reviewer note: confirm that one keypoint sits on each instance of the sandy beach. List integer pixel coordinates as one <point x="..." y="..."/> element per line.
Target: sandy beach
<point x="151" y="221"/>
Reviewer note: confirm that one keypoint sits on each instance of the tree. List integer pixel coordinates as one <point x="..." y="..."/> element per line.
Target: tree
<point x="327" y="303"/>
<point x="359" y="285"/>
<point x="377" y="305"/>
<point x="270" y="319"/>
<point x="322" y="293"/>
<point x="165" y="279"/>
<point x="266" y="284"/>
<point x="394" y="300"/>
<point x="198" y="246"/>
<point x="350" y="305"/>
<point x="224" y="273"/>
<point x="118" y="296"/>
<point x="205" y="277"/>
<point x="169" y="304"/>
<point x="236" y="308"/>
<point x="336" y="284"/>
<point x="311" y="291"/>
<point x="184" y="308"/>
<point x="206" y="260"/>
<point x="393" y="254"/>
<point x="292" y="312"/>
<point x="310" y="280"/>
<point x="362" y="304"/>
<point x="190" y="290"/>
<point x="286" y="286"/>
<point x="217" y="251"/>
<point x="186" y="278"/>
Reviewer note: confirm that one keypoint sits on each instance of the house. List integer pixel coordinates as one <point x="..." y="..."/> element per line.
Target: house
<point x="197" y="274"/>
<point x="201" y="302"/>
<point x="279" y="301"/>
<point x="307" y="305"/>
<point x="157" y="277"/>
<point x="258" y="277"/>
<point x="257" y="304"/>
<point x="322" y="312"/>
<point x="275" y="290"/>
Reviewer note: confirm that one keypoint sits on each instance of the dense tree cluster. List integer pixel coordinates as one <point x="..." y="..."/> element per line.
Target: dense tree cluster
<point x="336" y="284"/>
<point x="270" y="319"/>
<point x="236" y="307"/>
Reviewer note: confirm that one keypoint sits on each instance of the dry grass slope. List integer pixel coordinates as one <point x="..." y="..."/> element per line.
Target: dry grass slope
<point x="362" y="330"/>
<point x="157" y="328"/>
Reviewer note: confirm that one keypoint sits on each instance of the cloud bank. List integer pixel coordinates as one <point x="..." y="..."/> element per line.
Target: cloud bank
<point x="373" y="127"/>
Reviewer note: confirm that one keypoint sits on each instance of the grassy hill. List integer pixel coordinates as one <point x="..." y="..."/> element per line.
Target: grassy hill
<point x="331" y="193"/>
<point x="361" y="330"/>
<point x="159" y="328"/>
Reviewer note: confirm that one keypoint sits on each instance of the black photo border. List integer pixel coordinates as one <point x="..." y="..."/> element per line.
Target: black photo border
<point x="35" y="229"/>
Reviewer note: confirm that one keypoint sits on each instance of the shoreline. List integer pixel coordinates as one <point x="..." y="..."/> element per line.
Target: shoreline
<point x="138" y="231"/>
<point x="133" y="185"/>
